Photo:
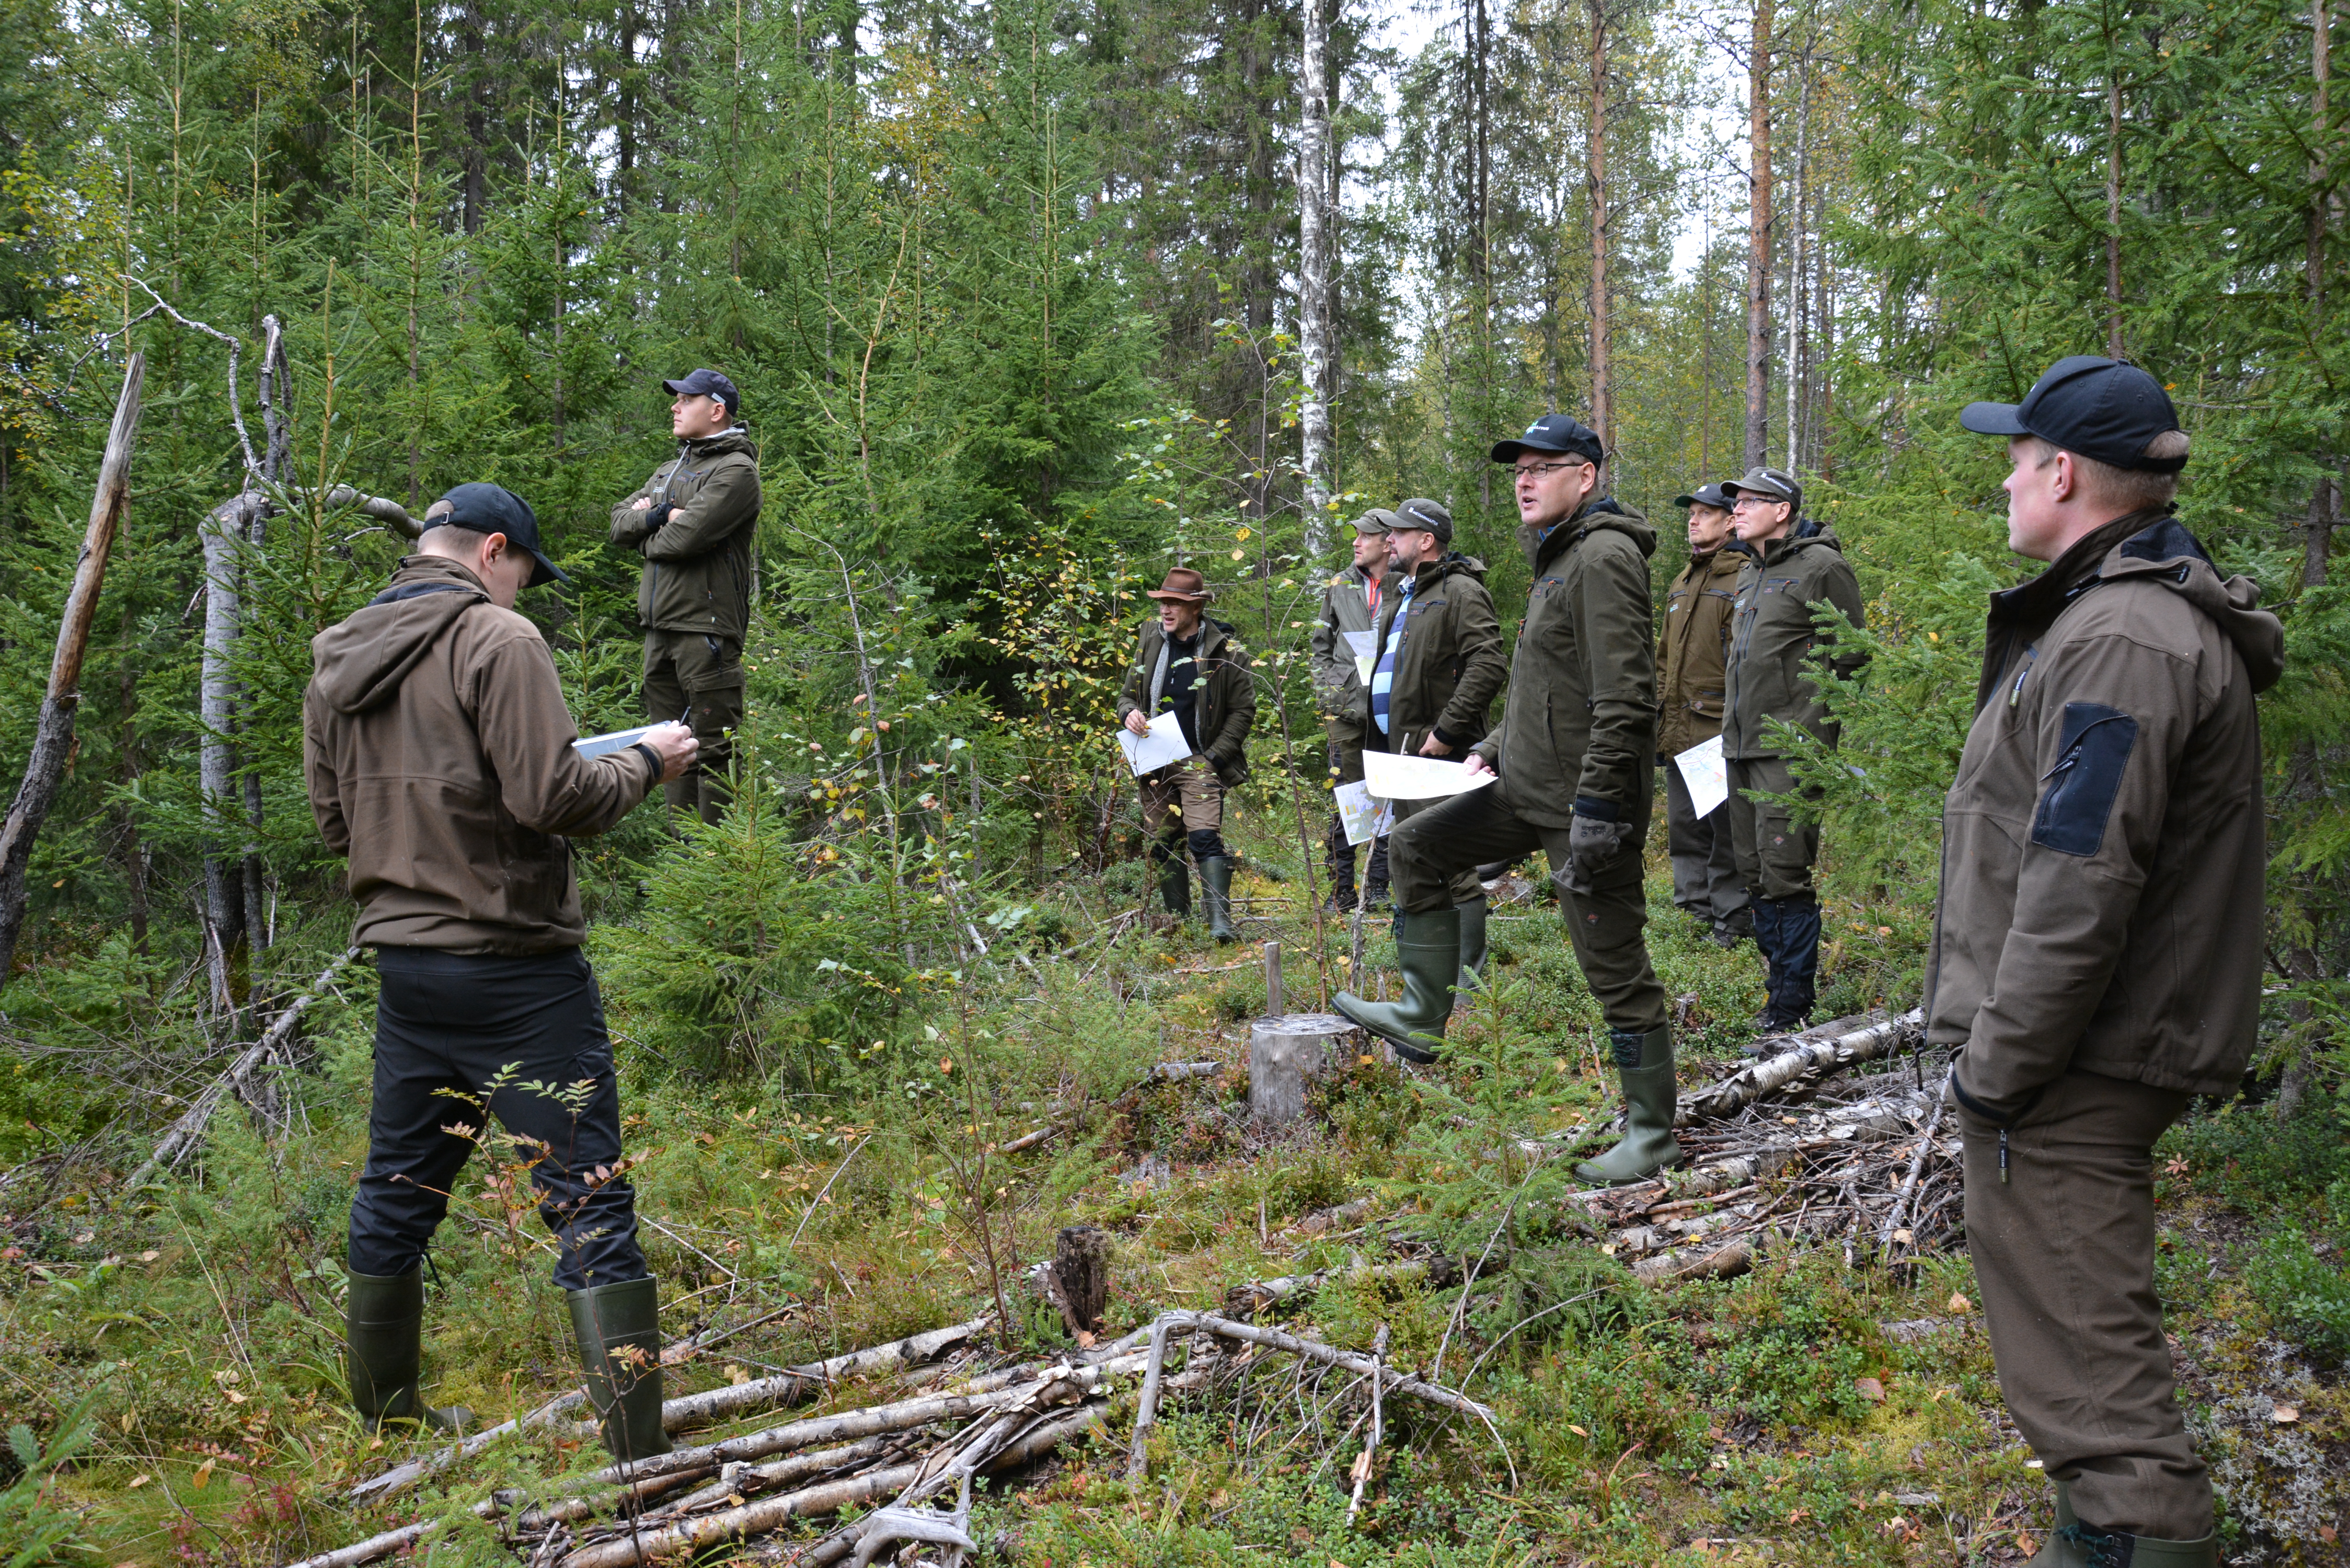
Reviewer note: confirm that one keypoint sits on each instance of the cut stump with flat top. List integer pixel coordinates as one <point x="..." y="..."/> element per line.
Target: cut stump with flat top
<point x="1285" y="1054"/>
<point x="1081" y="1268"/>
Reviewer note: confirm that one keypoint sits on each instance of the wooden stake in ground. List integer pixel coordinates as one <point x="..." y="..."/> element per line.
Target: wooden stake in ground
<point x="53" y="740"/>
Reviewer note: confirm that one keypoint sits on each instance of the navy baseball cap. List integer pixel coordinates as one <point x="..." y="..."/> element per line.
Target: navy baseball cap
<point x="707" y="384"/>
<point x="493" y="509"/>
<point x="2088" y="404"/>
<point x="1554" y="433"/>
<point x="1420" y="511"/>
<point x="1705" y="495"/>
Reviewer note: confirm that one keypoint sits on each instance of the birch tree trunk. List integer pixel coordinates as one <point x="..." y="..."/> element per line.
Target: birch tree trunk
<point x="1316" y="221"/>
<point x="2113" y="197"/>
<point x="1603" y="418"/>
<point x="1792" y="371"/>
<point x="53" y="739"/>
<point x="1758" y="251"/>
<point x="223" y="535"/>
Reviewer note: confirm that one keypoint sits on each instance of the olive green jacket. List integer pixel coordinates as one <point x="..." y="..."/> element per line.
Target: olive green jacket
<point x="697" y="562"/>
<point x="1580" y="724"/>
<point x="1337" y="684"/>
<point x="2104" y="845"/>
<point x="1451" y="666"/>
<point x="1226" y="705"/>
<point x="1694" y="650"/>
<point x="1772" y="638"/>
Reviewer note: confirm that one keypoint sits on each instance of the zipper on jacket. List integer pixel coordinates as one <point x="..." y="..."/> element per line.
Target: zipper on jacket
<point x="2031" y="657"/>
<point x="2002" y="1156"/>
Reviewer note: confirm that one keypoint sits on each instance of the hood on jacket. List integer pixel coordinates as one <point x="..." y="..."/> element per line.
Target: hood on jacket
<point x="2156" y="547"/>
<point x="736" y="438"/>
<point x="1604" y="513"/>
<point x="1808" y="533"/>
<point x="1456" y="564"/>
<point x="359" y="664"/>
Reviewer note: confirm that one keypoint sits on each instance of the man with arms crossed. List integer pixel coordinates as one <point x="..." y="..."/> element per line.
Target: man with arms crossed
<point x="439" y="759"/>
<point x="2098" y="952"/>
<point x="1576" y="760"/>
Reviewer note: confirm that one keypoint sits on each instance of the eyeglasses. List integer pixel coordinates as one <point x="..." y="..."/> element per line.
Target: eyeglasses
<point x="1745" y="502"/>
<point x="1536" y="469"/>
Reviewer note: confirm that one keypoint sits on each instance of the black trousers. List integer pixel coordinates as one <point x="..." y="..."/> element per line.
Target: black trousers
<point x="449" y="1024"/>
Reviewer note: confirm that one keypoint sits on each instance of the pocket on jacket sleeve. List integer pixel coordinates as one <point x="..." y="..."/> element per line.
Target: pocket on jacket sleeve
<point x="2093" y="749"/>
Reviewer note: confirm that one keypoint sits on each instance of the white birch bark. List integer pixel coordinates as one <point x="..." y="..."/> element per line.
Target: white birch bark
<point x="1315" y="220"/>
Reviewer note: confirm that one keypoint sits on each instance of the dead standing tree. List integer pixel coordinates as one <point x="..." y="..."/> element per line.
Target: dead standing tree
<point x="53" y="741"/>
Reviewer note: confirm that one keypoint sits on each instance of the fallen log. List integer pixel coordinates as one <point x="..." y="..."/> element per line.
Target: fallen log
<point x="184" y="1134"/>
<point x="797" y="1385"/>
<point x="1723" y="1261"/>
<point x="1831" y="1046"/>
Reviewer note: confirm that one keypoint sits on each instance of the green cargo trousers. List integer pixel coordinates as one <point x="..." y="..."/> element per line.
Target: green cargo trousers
<point x="1774" y="852"/>
<point x="1438" y="843"/>
<point x="697" y="677"/>
<point x="2063" y="1242"/>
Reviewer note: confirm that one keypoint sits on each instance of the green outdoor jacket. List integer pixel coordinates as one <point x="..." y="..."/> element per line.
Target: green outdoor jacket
<point x="1694" y="649"/>
<point x="1451" y="667"/>
<point x="1337" y="685"/>
<point x="1580" y="724"/>
<point x="1772" y="638"/>
<point x="698" y="564"/>
<point x="1226" y="707"/>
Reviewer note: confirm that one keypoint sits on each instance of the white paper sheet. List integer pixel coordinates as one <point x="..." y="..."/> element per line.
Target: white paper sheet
<point x="1358" y="810"/>
<point x="1706" y="774"/>
<point x="1164" y="744"/>
<point x="1390" y="777"/>
<point x="618" y="741"/>
<point x="1365" y="646"/>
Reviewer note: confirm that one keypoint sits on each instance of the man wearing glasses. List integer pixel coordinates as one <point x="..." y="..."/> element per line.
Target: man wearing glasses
<point x="1576" y="780"/>
<point x="1793" y="565"/>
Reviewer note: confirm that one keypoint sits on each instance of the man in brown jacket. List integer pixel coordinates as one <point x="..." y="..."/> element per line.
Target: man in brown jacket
<point x="1689" y="659"/>
<point x="439" y="762"/>
<point x="1574" y="777"/>
<point x="695" y="521"/>
<point x="1438" y="668"/>
<point x="1351" y="605"/>
<point x="1194" y="668"/>
<point x="2098" y="952"/>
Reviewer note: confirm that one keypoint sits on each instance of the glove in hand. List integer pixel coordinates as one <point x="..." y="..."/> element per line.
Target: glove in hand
<point x="657" y="516"/>
<point x="1592" y="847"/>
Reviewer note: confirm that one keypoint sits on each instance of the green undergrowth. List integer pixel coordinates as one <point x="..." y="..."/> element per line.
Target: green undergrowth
<point x="171" y="1387"/>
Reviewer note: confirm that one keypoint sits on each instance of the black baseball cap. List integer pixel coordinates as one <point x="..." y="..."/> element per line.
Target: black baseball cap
<point x="1553" y="432"/>
<point x="2088" y="404"/>
<point x="1775" y="482"/>
<point x="1705" y="495"/>
<point x="1420" y="511"/>
<point x="707" y="384"/>
<point x="493" y="509"/>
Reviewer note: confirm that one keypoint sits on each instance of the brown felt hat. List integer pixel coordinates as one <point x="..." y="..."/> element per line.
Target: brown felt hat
<point x="1183" y="582"/>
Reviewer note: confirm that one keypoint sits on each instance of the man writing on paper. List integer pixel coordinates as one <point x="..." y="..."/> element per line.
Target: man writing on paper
<point x="1795" y="567"/>
<point x="1690" y="656"/>
<point x="439" y="759"/>
<point x="693" y="522"/>
<point x="1192" y="667"/>
<point x="2097" y="951"/>
<point x="1438" y="667"/>
<point x="1350" y="603"/>
<point x="1575" y="757"/>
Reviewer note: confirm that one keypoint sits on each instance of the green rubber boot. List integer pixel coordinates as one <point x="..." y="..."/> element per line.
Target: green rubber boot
<point x="1644" y="1065"/>
<point x="1473" y="950"/>
<point x="1174" y="882"/>
<point x="1427" y="950"/>
<point x="383" y="1334"/>
<point x="2073" y="1544"/>
<point x="618" y="1330"/>
<point x="1216" y="882"/>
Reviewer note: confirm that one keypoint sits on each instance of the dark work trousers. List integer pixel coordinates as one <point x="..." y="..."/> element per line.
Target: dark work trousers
<point x="453" y="1021"/>
<point x="1431" y="847"/>
<point x="1705" y="858"/>
<point x="698" y="678"/>
<point x="2064" y="1255"/>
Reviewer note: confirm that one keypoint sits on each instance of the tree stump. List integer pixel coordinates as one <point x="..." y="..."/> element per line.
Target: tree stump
<point x="1081" y="1270"/>
<point x="1284" y="1054"/>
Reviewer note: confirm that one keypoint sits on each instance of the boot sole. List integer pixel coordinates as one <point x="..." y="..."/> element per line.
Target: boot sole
<point x="1634" y="1180"/>
<point x="1406" y="1047"/>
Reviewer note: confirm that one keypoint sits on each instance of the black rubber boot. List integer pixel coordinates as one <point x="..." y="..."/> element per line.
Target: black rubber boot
<point x="1174" y="879"/>
<point x="1644" y="1067"/>
<point x="383" y="1338"/>
<point x="618" y="1331"/>
<point x="1216" y="882"/>
<point x="1473" y="950"/>
<point x="1427" y="950"/>
<point x="1799" y="959"/>
<point x="2074" y="1545"/>
<point x="1375" y="877"/>
<point x="1339" y="856"/>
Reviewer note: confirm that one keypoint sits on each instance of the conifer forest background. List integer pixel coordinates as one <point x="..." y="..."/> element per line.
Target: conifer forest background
<point x="1028" y="302"/>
